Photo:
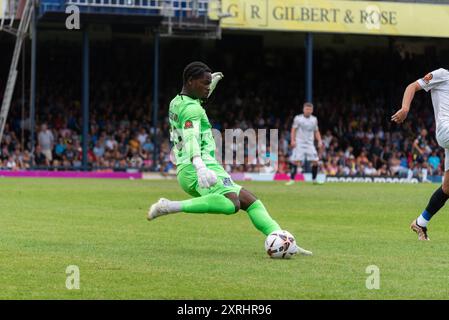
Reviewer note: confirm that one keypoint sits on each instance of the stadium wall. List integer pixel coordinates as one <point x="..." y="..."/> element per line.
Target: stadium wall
<point x="241" y="176"/>
<point x="70" y="174"/>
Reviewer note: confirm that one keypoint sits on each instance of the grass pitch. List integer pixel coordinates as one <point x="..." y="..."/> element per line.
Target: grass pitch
<point x="100" y="226"/>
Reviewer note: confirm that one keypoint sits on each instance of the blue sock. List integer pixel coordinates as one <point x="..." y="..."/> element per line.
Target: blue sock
<point x="424" y="219"/>
<point x="436" y="202"/>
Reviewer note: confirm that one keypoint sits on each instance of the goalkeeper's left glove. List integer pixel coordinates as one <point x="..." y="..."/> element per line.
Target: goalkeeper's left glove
<point x="206" y="177"/>
<point x="216" y="76"/>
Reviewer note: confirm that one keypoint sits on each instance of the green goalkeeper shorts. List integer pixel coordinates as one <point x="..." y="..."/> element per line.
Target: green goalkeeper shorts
<point x="188" y="180"/>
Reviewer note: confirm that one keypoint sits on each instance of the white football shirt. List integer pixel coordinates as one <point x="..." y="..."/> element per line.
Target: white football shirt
<point x="305" y="129"/>
<point x="438" y="83"/>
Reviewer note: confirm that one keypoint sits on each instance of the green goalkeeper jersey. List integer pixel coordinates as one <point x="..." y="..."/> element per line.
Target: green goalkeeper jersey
<point x="190" y="132"/>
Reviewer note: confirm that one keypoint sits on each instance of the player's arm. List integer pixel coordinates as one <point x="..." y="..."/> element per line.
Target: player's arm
<point x="191" y="122"/>
<point x="216" y="77"/>
<point x="428" y="82"/>
<point x="407" y="99"/>
<point x="292" y="137"/>
<point x="295" y="126"/>
<point x="190" y="132"/>
<point x="318" y="138"/>
<point x="318" y="135"/>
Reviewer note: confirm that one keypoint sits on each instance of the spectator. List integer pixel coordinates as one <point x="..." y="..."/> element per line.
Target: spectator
<point x="40" y="159"/>
<point x="46" y="140"/>
<point x="434" y="163"/>
<point x="370" y="170"/>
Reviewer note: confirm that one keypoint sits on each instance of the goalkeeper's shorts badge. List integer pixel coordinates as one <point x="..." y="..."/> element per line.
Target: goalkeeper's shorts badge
<point x="227" y="182"/>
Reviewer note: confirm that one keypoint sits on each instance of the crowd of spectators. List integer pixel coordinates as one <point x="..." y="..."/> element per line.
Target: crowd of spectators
<point x="354" y="100"/>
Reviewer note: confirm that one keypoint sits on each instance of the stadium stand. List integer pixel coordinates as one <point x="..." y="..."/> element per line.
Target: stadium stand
<point x="354" y="100"/>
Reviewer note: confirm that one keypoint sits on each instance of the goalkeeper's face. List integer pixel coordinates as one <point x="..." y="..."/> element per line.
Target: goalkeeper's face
<point x="200" y="87"/>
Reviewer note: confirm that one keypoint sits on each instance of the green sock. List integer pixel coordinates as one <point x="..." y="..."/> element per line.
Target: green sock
<point x="211" y="203"/>
<point x="261" y="218"/>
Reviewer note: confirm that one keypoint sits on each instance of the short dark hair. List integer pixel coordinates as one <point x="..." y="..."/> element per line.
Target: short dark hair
<point x="308" y="104"/>
<point x="194" y="70"/>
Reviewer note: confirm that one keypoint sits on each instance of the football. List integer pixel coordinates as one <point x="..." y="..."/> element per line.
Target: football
<point x="280" y="244"/>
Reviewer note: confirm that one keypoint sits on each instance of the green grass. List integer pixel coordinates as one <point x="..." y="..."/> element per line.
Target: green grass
<point x="100" y="226"/>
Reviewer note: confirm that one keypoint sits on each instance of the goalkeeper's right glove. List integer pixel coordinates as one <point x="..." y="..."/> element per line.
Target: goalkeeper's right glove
<point x="216" y="76"/>
<point x="206" y="177"/>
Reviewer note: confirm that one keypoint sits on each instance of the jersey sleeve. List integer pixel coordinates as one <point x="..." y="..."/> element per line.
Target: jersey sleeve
<point x="433" y="79"/>
<point x="295" y="123"/>
<point x="316" y="125"/>
<point x="190" y="121"/>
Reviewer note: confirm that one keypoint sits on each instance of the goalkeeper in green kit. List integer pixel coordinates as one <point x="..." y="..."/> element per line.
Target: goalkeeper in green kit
<point x="198" y="172"/>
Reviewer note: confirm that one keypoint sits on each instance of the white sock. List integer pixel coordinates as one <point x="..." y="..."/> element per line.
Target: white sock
<point x="174" y="206"/>
<point x="421" y="221"/>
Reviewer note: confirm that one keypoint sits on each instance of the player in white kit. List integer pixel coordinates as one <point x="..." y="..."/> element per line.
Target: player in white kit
<point x="438" y="83"/>
<point x="302" y="136"/>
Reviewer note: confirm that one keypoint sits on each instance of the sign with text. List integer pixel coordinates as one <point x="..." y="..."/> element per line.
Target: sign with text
<point x="358" y="17"/>
<point x="2" y="8"/>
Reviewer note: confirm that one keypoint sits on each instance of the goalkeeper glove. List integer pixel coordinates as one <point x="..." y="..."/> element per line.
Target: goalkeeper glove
<point x="216" y="76"/>
<point x="206" y="177"/>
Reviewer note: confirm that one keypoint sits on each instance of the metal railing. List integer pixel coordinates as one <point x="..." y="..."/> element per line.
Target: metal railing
<point x="20" y="34"/>
<point x="166" y="7"/>
<point x="8" y="12"/>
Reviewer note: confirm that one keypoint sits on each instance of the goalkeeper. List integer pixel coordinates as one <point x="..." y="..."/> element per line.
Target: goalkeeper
<point x="198" y="172"/>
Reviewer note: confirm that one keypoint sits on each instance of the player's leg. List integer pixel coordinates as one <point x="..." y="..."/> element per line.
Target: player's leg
<point x="204" y="201"/>
<point x="211" y="203"/>
<point x="294" y="163"/>
<point x="436" y="202"/>
<point x="312" y="154"/>
<point x="293" y="171"/>
<point x="314" y="171"/>
<point x="260" y="217"/>
<point x="257" y="212"/>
